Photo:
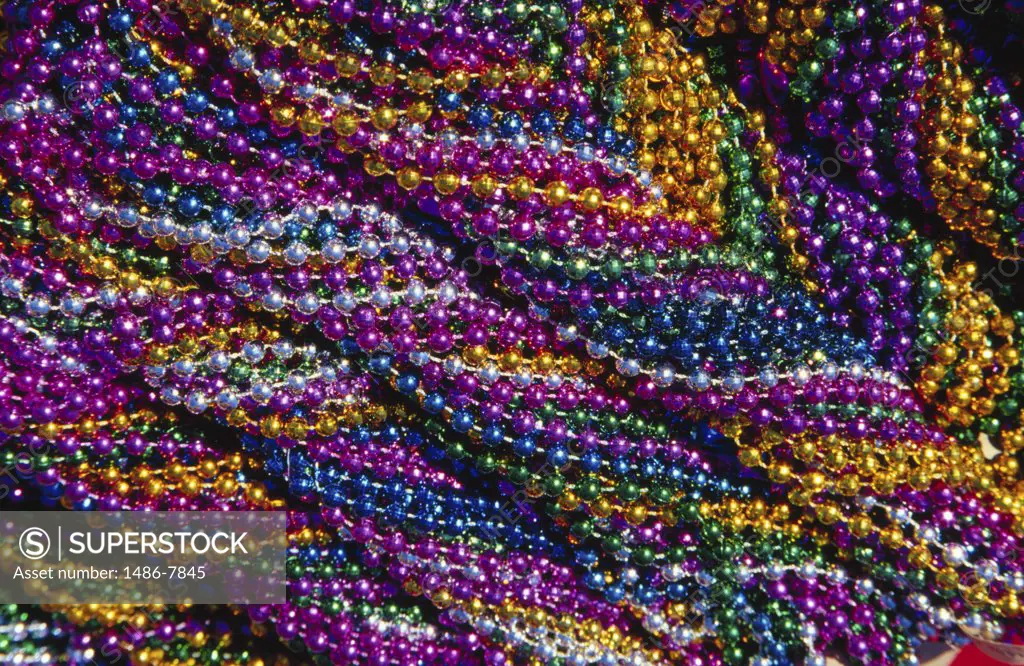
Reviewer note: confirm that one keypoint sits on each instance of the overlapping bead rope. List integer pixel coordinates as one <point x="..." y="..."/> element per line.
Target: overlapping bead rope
<point x="570" y="332"/>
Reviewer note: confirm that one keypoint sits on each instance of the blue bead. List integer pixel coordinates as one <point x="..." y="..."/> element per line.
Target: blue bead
<point x="448" y="101"/>
<point x="615" y="593"/>
<point x="615" y="334"/>
<point x="575" y="129"/>
<point x="52" y="49"/>
<point x="462" y="421"/>
<point x="223" y="216"/>
<point x="129" y="113"/>
<point x="480" y="116"/>
<point x="524" y="447"/>
<point x="589" y="313"/>
<point x="543" y="123"/>
<point x="625" y="146"/>
<point x="649" y="347"/>
<point x="606" y="136"/>
<point x="493" y="435"/>
<point x="167" y="83"/>
<point x="196" y="102"/>
<point x="327" y="231"/>
<point x="592" y="461"/>
<point x="120" y="20"/>
<point x="138" y="56"/>
<point x="433" y="403"/>
<point x="380" y="365"/>
<point x="301" y="486"/>
<point x="227" y="118"/>
<point x="257" y="135"/>
<point x="511" y="124"/>
<point x="333" y="496"/>
<point x="276" y="465"/>
<point x="646" y="595"/>
<point x="154" y="194"/>
<point x="189" y="205"/>
<point x="676" y="591"/>
<point x="558" y="456"/>
<point x="407" y="383"/>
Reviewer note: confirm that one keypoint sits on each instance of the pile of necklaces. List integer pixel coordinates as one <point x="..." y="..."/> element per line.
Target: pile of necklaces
<point x="567" y="332"/>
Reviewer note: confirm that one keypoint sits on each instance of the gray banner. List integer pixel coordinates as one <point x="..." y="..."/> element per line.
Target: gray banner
<point x="135" y="557"/>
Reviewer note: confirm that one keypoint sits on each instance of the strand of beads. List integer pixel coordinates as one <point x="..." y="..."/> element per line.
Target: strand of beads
<point x="557" y="351"/>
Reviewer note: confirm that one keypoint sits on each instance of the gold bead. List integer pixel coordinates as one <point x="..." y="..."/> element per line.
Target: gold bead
<point x="419" y="112"/>
<point x="270" y="426"/>
<point x="457" y="80"/>
<point x="622" y="205"/>
<point x="283" y="115"/>
<point x="348" y="65"/>
<point x="521" y="188"/>
<point x="446" y="182"/>
<point x="483" y="185"/>
<point x="409" y="178"/>
<point x="311" y="123"/>
<point x="384" y="118"/>
<point x="556" y="193"/>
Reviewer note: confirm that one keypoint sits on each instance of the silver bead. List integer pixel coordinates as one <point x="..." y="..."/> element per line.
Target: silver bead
<point x="197" y="402"/>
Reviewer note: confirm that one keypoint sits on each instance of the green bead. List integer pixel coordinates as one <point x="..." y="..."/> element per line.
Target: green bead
<point x="643" y="555"/>
<point x="613" y="268"/>
<point x="541" y="259"/>
<point x="617" y="33"/>
<point x="690" y="512"/>
<point x="931" y="287"/>
<point x="800" y="88"/>
<point x="555" y="18"/>
<point x="518" y="474"/>
<point x="845" y="19"/>
<point x="487" y="463"/>
<point x="612" y="543"/>
<point x="827" y="48"/>
<point x="1000" y="168"/>
<point x="734" y="654"/>
<point x="619" y="69"/>
<point x="554" y="486"/>
<point x="1006" y="197"/>
<point x="989" y="425"/>
<point x="614" y="100"/>
<point x="553" y="51"/>
<point x="589" y="490"/>
<point x="517" y="11"/>
<point x="582" y="529"/>
<point x="628" y="491"/>
<point x="578" y="268"/>
<point x="733" y="125"/>
<point x="661" y="495"/>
